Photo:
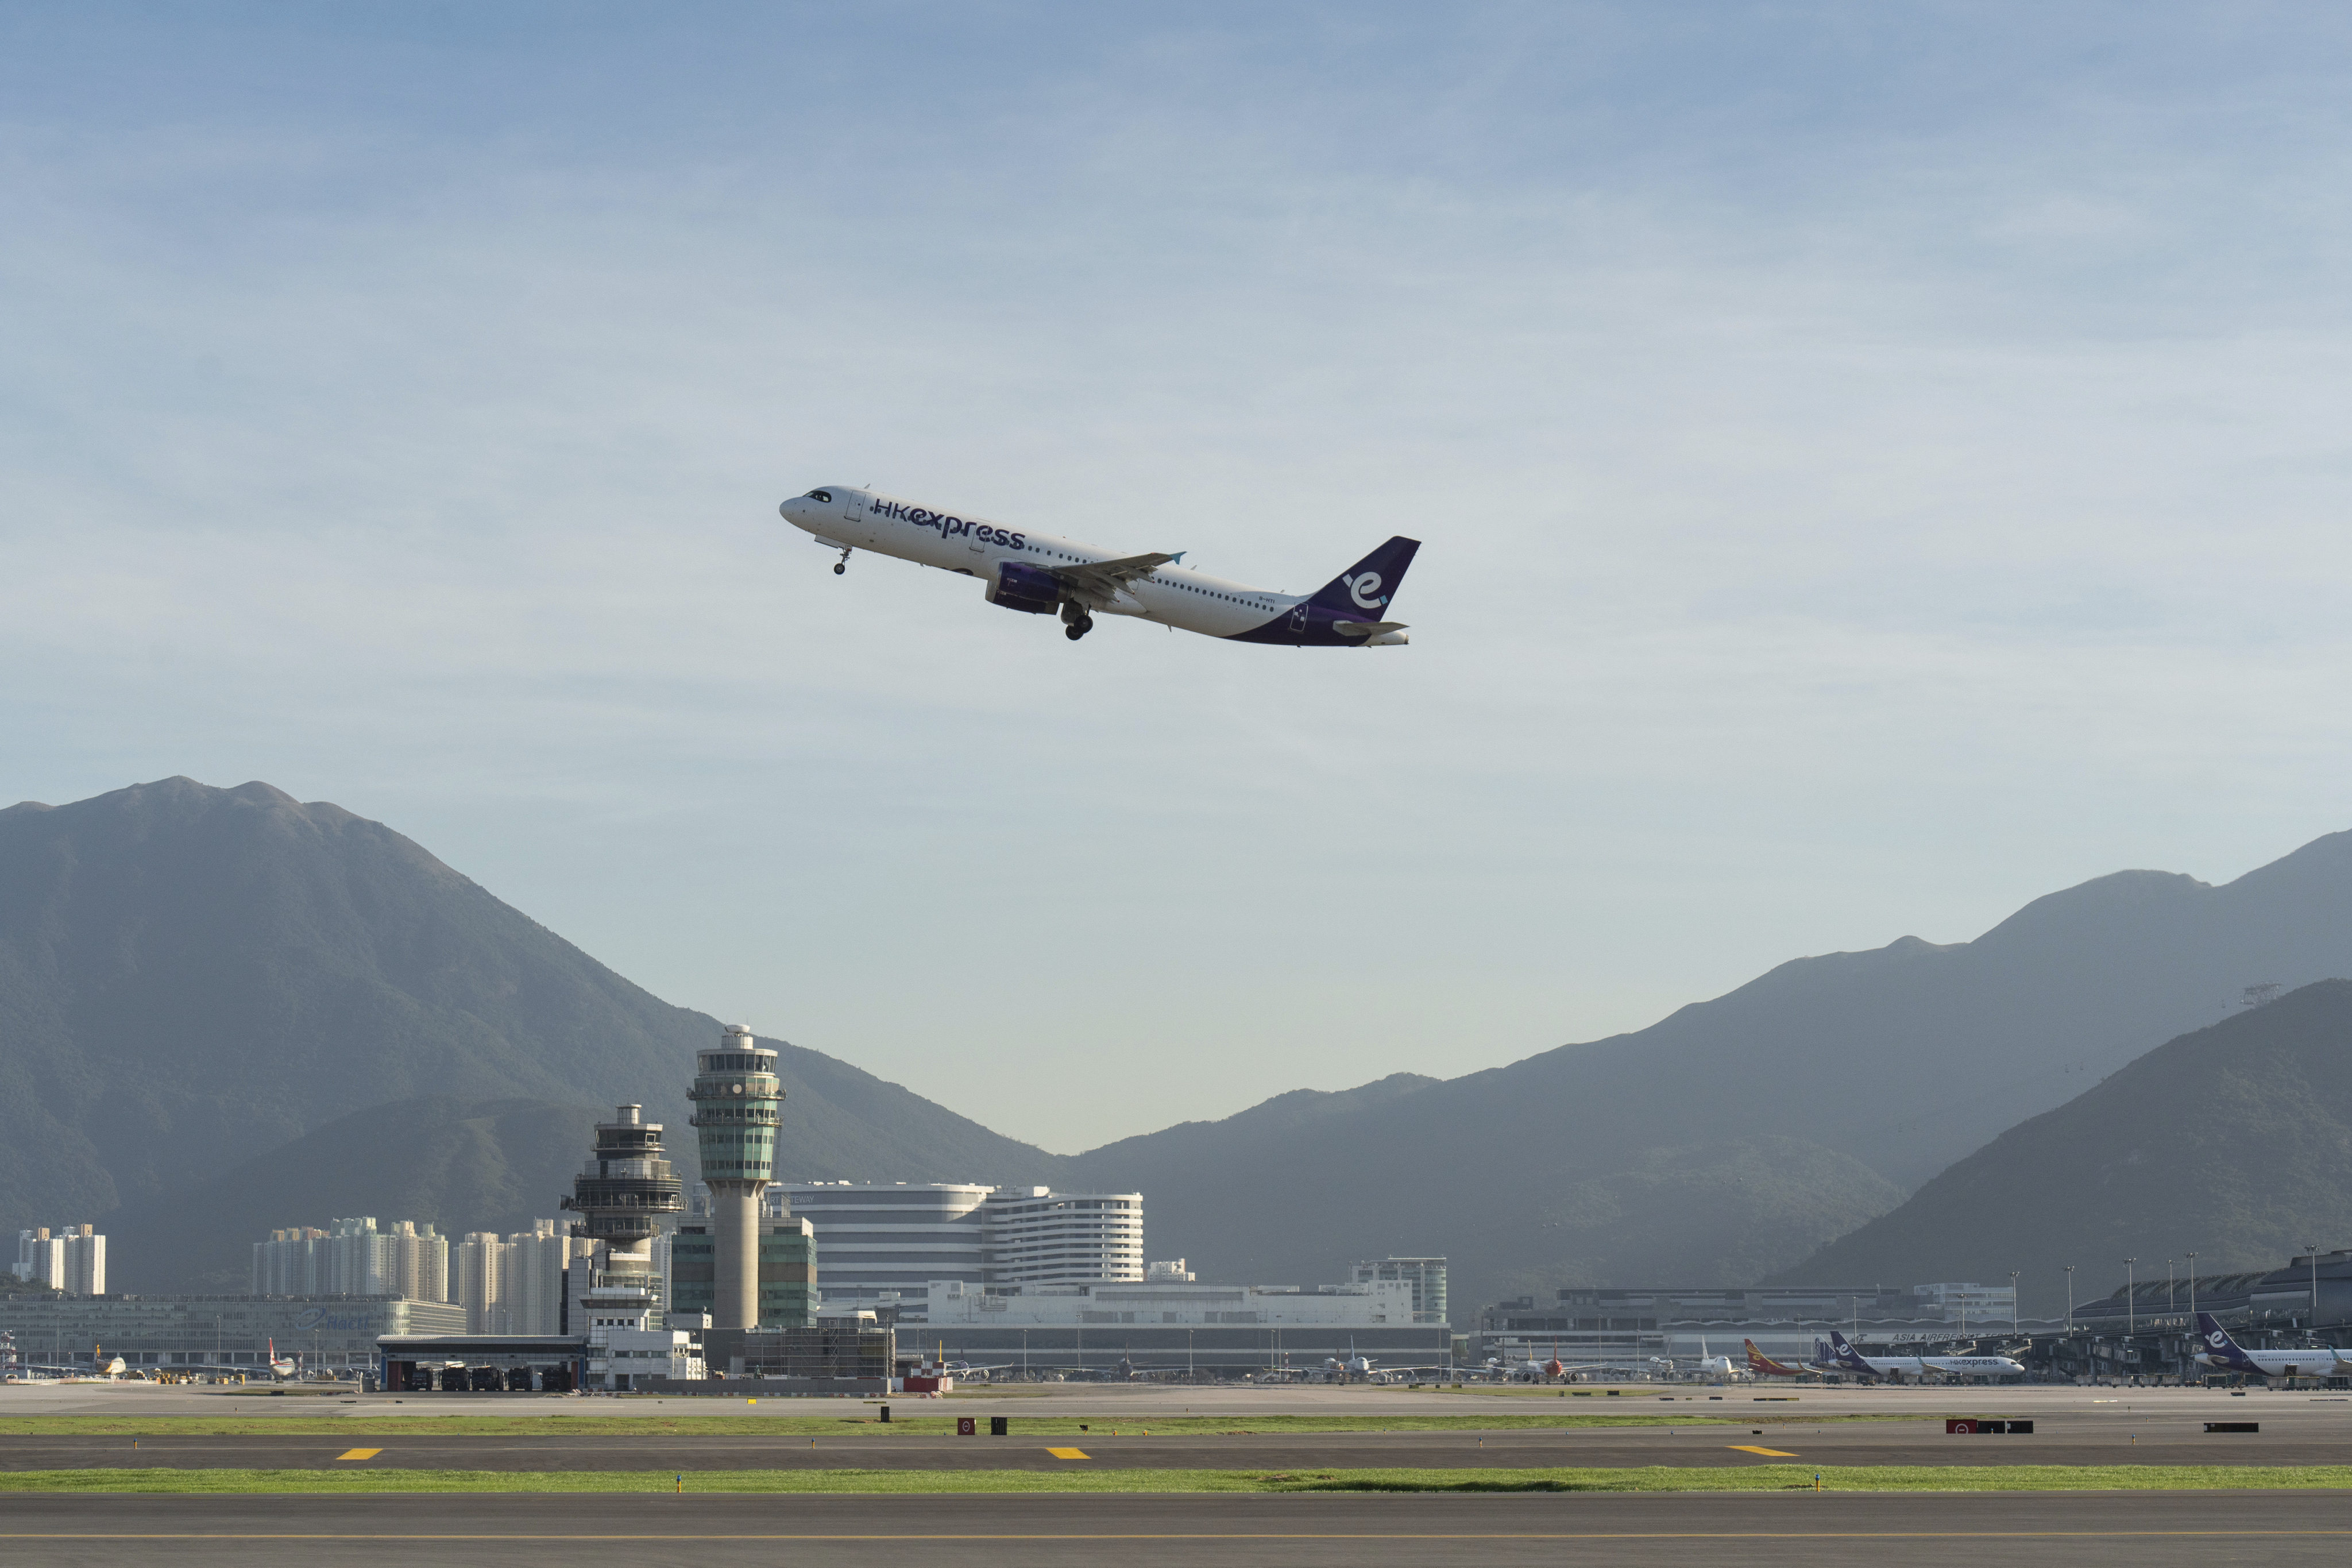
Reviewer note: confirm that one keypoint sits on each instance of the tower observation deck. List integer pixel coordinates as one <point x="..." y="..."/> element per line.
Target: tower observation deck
<point x="738" y="1106"/>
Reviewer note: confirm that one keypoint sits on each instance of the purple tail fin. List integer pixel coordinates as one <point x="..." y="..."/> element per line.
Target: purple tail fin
<point x="1363" y="591"/>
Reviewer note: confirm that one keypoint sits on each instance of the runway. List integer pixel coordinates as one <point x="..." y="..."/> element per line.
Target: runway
<point x="2144" y="1529"/>
<point x="2300" y="1438"/>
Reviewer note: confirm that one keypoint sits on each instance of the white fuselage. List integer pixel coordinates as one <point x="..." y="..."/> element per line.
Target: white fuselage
<point x="2319" y="1361"/>
<point x="1172" y="595"/>
<point x="1948" y="1365"/>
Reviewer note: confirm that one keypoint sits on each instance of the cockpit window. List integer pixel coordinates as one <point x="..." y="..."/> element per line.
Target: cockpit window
<point x="820" y="495"/>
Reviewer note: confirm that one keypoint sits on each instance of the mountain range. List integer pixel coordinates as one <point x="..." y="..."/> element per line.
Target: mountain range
<point x="232" y="992"/>
<point x="190" y="977"/>
<point x="2233" y="1140"/>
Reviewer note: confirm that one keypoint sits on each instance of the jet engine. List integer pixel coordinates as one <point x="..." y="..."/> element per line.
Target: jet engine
<point x="1020" y="586"/>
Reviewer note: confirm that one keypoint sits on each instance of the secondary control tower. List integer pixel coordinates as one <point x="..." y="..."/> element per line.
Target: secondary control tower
<point x="738" y="1104"/>
<point x="624" y="1192"/>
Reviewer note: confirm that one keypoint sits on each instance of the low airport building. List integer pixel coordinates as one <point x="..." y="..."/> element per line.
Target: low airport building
<point x="1635" y="1324"/>
<point x="217" y="1333"/>
<point x="486" y="1364"/>
<point x="1426" y="1276"/>
<point x="1106" y="1328"/>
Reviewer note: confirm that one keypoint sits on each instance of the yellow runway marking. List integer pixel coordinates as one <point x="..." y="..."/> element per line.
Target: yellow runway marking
<point x="360" y="1454"/>
<point x="1770" y="1453"/>
<point x="1067" y="1453"/>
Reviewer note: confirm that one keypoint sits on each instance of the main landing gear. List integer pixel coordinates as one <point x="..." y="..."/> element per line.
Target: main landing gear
<point x="1076" y="622"/>
<point x="843" y="564"/>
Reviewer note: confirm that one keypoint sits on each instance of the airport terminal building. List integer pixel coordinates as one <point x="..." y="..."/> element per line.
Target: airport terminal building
<point x="1169" y="1325"/>
<point x="883" y="1244"/>
<point x="219" y="1333"/>
<point x="2308" y="1291"/>
<point x="1589" y="1324"/>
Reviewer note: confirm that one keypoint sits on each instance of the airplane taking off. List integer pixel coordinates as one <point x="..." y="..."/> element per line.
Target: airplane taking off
<point x="2225" y="1354"/>
<point x="1898" y="1367"/>
<point x="1044" y="575"/>
<point x="1762" y="1365"/>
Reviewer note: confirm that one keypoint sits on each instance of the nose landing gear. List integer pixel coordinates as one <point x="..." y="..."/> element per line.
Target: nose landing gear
<point x="843" y="564"/>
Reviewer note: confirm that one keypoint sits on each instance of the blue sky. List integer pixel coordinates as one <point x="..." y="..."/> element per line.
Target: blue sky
<point x="1877" y="465"/>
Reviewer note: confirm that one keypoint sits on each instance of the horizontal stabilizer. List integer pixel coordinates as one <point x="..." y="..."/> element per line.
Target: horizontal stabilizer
<point x="1366" y="628"/>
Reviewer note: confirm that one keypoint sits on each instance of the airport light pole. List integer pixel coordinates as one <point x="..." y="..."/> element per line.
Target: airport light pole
<point x="2012" y="1302"/>
<point x="2131" y="1321"/>
<point x="2070" y="1298"/>
<point x="2312" y="1248"/>
<point x="2192" y="1290"/>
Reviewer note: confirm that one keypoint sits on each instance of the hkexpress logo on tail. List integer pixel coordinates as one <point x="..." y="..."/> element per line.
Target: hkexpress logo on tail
<point x="948" y="527"/>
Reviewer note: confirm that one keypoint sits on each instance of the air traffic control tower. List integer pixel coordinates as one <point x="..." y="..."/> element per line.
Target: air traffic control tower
<point x="738" y="1104"/>
<point x="624" y="1191"/>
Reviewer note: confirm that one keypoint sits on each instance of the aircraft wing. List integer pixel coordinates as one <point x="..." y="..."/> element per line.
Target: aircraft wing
<point x="1096" y="583"/>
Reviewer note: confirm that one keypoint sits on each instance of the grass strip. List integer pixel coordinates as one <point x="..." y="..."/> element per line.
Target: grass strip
<point x="380" y="1415"/>
<point x="1654" y="1478"/>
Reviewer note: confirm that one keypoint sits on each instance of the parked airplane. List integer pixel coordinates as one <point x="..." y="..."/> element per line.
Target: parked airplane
<point x="1554" y="1369"/>
<point x="1898" y="1367"/>
<point x="1043" y="575"/>
<point x="2225" y="1354"/>
<point x="1762" y="1365"/>
<point x="1339" y="1369"/>
<point x="283" y="1366"/>
<point x="1710" y="1365"/>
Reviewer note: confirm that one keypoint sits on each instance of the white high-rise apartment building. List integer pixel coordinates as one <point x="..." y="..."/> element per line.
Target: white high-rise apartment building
<point x="419" y="1261"/>
<point x="352" y="1258"/>
<point x="40" y="1256"/>
<point x="73" y="1260"/>
<point x="532" y="1286"/>
<point x="355" y="1259"/>
<point x="481" y="1282"/>
<point x="290" y="1263"/>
